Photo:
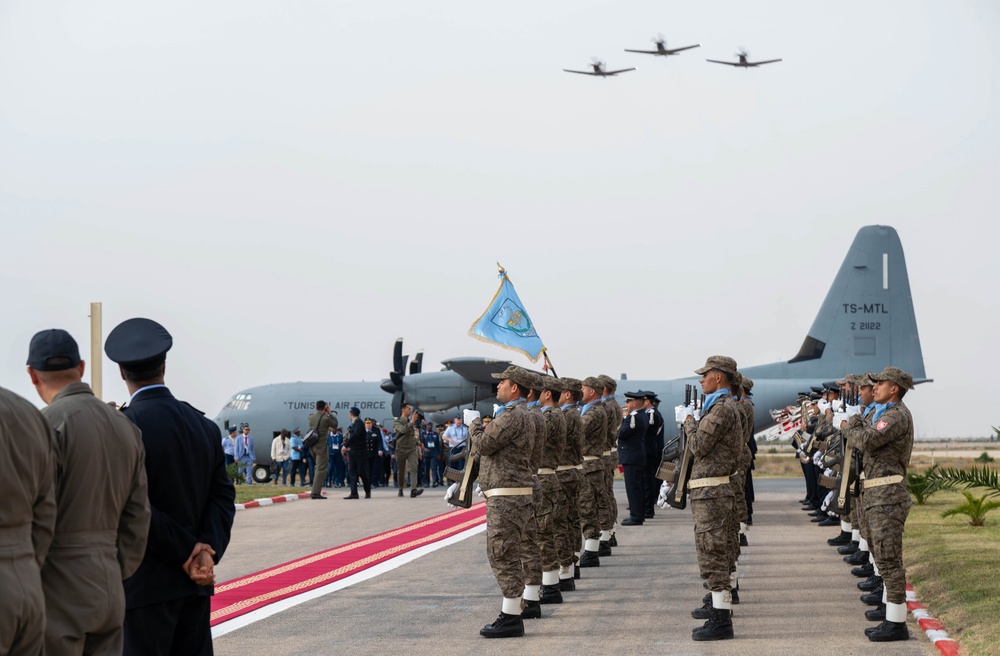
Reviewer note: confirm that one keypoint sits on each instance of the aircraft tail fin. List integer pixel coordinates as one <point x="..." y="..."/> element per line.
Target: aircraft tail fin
<point x="866" y="321"/>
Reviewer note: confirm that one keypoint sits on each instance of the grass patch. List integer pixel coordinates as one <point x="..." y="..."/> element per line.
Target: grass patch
<point x="955" y="569"/>
<point x="246" y="493"/>
<point x="777" y="465"/>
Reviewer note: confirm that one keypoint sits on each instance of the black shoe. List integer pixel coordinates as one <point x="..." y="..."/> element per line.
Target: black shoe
<point x="705" y="612"/>
<point x="818" y="513"/>
<point x="888" y="632"/>
<point x="840" y="540"/>
<point x="351" y="496"/>
<point x="848" y="549"/>
<point x="505" y="626"/>
<point x="318" y="496"/>
<point x="870" y="583"/>
<point x="567" y="585"/>
<point x="749" y="520"/>
<point x="857" y="558"/>
<point x="829" y="521"/>
<point x="434" y="484"/>
<point x="532" y="610"/>
<point x="707" y="599"/>
<point x="368" y="496"/>
<point x="590" y="559"/>
<point x="648" y="515"/>
<point x="864" y="571"/>
<point x="718" y="627"/>
<point x="576" y="573"/>
<point x="873" y="598"/>
<point x="613" y="541"/>
<point x="400" y="493"/>
<point x="416" y="493"/>
<point x="809" y="507"/>
<point x="603" y="548"/>
<point x="550" y="594"/>
<point x="632" y="521"/>
<point x="743" y="540"/>
<point x="875" y="615"/>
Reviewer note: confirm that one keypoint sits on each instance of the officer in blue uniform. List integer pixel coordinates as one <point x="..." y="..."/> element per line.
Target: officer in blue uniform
<point x="168" y="598"/>
<point x="654" y="450"/>
<point x="632" y="457"/>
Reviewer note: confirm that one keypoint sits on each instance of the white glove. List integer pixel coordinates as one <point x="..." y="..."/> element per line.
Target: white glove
<point x="822" y="405"/>
<point x="853" y="410"/>
<point x="496" y="409"/>
<point x="817" y="458"/>
<point x="682" y="412"/>
<point x="452" y="491"/>
<point x="479" y="490"/>
<point x="470" y="416"/>
<point x="661" y="501"/>
<point x="696" y="414"/>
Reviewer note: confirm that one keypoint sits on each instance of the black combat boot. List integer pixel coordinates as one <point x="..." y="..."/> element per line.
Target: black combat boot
<point x="888" y="631"/>
<point x="863" y="571"/>
<point x="743" y="540"/>
<point x="857" y="558"/>
<point x="707" y="599"/>
<point x="718" y="627"/>
<point x="604" y="548"/>
<point x="590" y="559"/>
<point x="848" y="549"/>
<point x="875" y="615"/>
<point x="873" y="598"/>
<point x="532" y="610"/>
<point x="416" y="492"/>
<point x="550" y="594"/>
<point x="567" y="585"/>
<point x="829" y="521"/>
<point x="870" y="583"/>
<point x="705" y="612"/>
<point x="505" y="626"/>
<point x="840" y="540"/>
<point x="401" y="492"/>
<point x="613" y="541"/>
<point x="576" y="572"/>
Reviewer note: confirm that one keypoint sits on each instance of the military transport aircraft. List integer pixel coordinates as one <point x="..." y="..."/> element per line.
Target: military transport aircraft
<point x="743" y="63"/>
<point x="865" y="323"/>
<point x="599" y="69"/>
<point x="661" y="47"/>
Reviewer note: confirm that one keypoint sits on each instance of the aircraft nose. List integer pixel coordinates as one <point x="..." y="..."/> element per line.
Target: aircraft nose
<point x="388" y="386"/>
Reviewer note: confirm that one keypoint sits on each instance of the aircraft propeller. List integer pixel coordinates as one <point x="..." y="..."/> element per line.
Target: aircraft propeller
<point x="743" y="52"/>
<point x="660" y="39"/>
<point x="394" y="385"/>
<point x="598" y="62"/>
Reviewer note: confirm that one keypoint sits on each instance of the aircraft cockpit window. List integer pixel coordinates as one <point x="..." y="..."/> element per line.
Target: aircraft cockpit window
<point x="239" y="402"/>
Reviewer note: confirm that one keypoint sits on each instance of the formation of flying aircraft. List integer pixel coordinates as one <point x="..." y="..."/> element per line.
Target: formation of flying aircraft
<point x="743" y="62"/>
<point x="865" y="323"/>
<point x="600" y="69"/>
<point x="662" y="49"/>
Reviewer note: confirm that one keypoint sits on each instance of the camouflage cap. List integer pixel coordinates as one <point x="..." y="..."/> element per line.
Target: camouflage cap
<point x="865" y="380"/>
<point x="571" y="384"/>
<point x="523" y="377"/>
<point x="608" y="382"/>
<point x="593" y="382"/>
<point x="849" y="378"/>
<point x="537" y="382"/>
<point x="747" y="383"/>
<point x="894" y="375"/>
<point x="738" y="379"/>
<point x="720" y="362"/>
<point x="552" y="383"/>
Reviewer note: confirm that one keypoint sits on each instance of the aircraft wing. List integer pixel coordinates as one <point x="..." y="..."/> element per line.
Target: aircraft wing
<point x="673" y="50"/>
<point x="767" y="61"/>
<point x="477" y="370"/>
<point x="579" y="72"/>
<point x="621" y="70"/>
<point x="716" y="61"/>
<point x="645" y="52"/>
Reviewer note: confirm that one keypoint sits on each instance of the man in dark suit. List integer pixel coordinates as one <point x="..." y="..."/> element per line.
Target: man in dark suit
<point x="168" y="598"/>
<point x="654" y="450"/>
<point x="632" y="456"/>
<point x="356" y="449"/>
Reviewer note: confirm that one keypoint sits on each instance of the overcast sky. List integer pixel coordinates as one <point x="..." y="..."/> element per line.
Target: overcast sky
<point x="289" y="186"/>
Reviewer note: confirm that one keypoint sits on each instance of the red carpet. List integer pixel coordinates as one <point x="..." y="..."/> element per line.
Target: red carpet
<point x="242" y="595"/>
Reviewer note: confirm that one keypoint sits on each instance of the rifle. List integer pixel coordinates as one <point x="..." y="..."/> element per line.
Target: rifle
<point x="673" y="448"/>
<point x="677" y="496"/>
<point x="467" y="476"/>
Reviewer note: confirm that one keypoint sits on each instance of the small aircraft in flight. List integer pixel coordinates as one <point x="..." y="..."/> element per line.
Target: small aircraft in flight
<point x="865" y="323"/>
<point x="599" y="69"/>
<point x="743" y="62"/>
<point x="662" y="49"/>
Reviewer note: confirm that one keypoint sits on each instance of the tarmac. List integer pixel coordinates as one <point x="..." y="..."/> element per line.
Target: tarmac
<point x="798" y="596"/>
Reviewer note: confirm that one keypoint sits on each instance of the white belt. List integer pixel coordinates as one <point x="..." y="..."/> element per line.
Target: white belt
<point x="507" y="492"/>
<point x="610" y="453"/>
<point x="885" y="480"/>
<point x="591" y="457"/>
<point x="568" y="467"/>
<point x="696" y="483"/>
<point x="546" y="470"/>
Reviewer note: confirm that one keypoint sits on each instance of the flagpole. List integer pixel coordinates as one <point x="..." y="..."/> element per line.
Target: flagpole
<point x="548" y="363"/>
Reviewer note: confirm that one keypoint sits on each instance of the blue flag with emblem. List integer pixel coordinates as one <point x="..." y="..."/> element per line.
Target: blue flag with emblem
<point x="506" y="323"/>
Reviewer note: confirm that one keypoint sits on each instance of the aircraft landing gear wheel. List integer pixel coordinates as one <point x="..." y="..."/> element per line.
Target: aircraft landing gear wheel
<point x="261" y="474"/>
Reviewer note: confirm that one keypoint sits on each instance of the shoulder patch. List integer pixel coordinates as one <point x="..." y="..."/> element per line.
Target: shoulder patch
<point x="881" y="425"/>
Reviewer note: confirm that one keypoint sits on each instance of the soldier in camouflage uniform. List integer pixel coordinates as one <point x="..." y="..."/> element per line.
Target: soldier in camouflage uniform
<point x="716" y="442"/>
<point x="552" y="512"/>
<point x="570" y="473"/>
<point x="531" y="553"/>
<point x="886" y="445"/>
<point x="595" y="436"/>
<point x="505" y="477"/>
<point x="614" y="415"/>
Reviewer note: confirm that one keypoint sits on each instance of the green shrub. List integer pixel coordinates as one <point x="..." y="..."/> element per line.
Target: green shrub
<point x="975" y="509"/>
<point x="233" y="472"/>
<point x="921" y="485"/>
<point x="984" y="458"/>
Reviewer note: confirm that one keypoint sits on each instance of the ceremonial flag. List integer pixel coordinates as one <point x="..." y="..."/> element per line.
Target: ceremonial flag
<point x="506" y="323"/>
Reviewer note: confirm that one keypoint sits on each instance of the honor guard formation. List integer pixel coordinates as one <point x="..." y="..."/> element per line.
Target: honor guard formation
<point x="546" y="462"/>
